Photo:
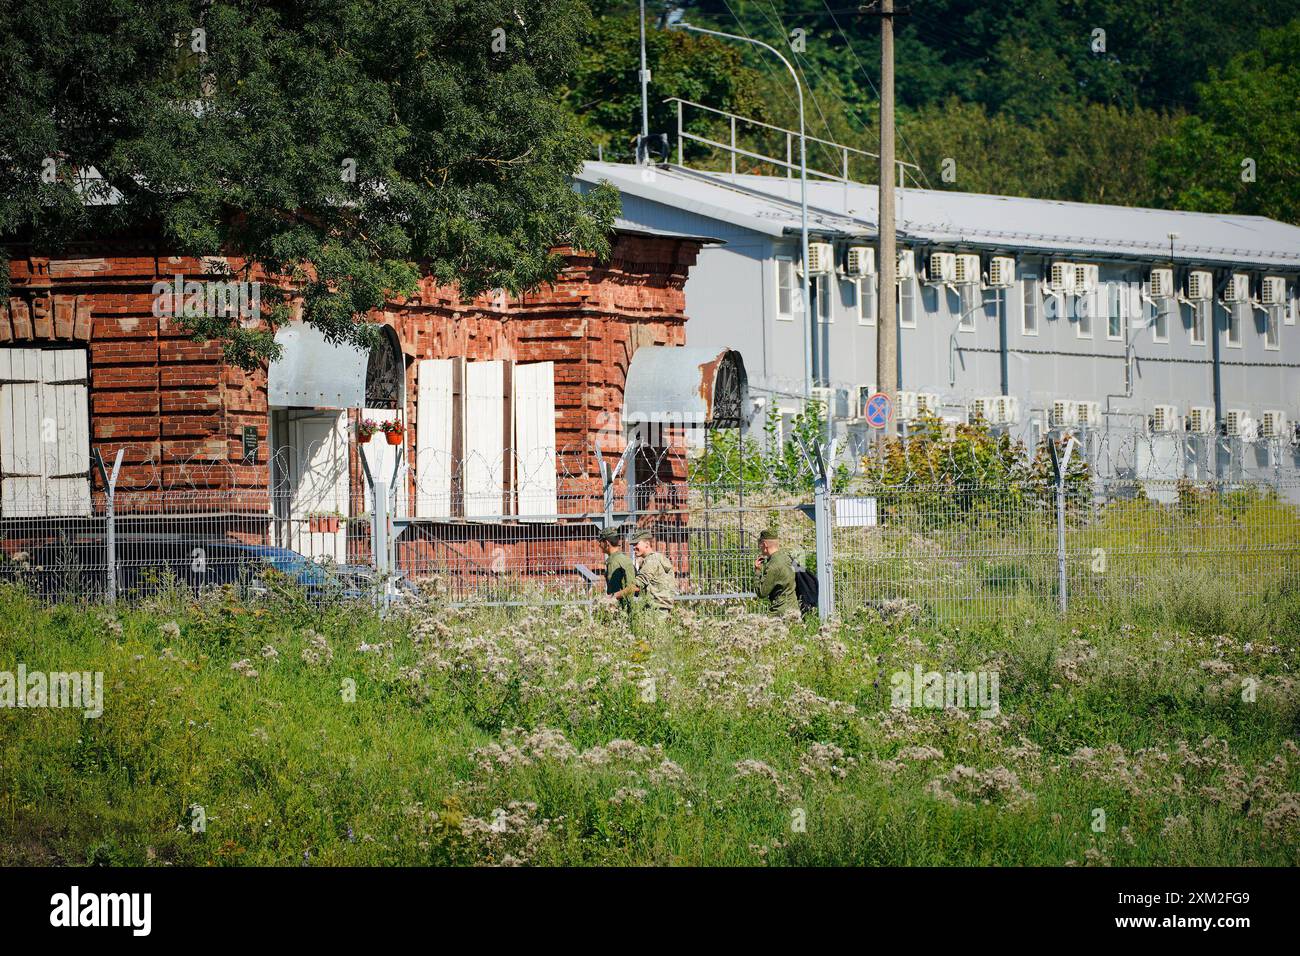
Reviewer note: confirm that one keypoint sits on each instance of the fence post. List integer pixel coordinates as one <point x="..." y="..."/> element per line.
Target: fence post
<point x="1061" y="464"/>
<point x="821" y="463"/>
<point x="825" y="557"/>
<point x="110" y="522"/>
<point x="1060" y="543"/>
<point x="378" y="530"/>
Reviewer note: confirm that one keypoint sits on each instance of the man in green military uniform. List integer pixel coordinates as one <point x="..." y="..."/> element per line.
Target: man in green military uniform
<point x="654" y="574"/>
<point x="620" y="575"/>
<point x="775" y="570"/>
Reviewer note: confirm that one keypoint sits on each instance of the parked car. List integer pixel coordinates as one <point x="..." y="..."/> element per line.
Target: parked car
<point x="76" y="568"/>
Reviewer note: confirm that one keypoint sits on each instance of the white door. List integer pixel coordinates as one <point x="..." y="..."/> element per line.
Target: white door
<point x="319" y="484"/>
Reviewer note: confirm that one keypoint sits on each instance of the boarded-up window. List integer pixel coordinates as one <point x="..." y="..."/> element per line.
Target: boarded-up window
<point x="534" y="401"/>
<point x="44" y="432"/>
<point x="433" y="454"/>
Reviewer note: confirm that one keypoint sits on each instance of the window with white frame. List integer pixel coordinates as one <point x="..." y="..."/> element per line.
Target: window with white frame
<point x="1085" y="307"/>
<point x="866" y="293"/>
<point x="44" y="433"/>
<point x="785" y="287"/>
<point x="907" y="303"/>
<point x="1159" y="311"/>
<point x="1117" y="306"/>
<point x="1233" y="328"/>
<point x="1272" y="321"/>
<point x="971" y="299"/>
<point x="1030" y="305"/>
<point x="1202" y="314"/>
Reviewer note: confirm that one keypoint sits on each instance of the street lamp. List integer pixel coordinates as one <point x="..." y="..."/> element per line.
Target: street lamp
<point x="673" y="22"/>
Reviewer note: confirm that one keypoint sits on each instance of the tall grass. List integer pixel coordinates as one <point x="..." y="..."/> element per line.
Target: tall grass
<point x="717" y="738"/>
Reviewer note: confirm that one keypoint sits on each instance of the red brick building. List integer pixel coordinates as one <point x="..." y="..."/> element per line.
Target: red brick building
<point x="82" y="345"/>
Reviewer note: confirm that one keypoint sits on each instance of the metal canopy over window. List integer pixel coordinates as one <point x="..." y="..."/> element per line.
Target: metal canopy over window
<point x="312" y="372"/>
<point x="687" y="386"/>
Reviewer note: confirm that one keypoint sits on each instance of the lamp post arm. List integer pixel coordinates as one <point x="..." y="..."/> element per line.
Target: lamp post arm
<point x="803" y="189"/>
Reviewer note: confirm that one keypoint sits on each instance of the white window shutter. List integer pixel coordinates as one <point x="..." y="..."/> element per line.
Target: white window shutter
<point x="65" y="418"/>
<point x="433" y="439"/>
<point x="483" y="467"/>
<point x="534" y="401"/>
<point x="44" y="432"/>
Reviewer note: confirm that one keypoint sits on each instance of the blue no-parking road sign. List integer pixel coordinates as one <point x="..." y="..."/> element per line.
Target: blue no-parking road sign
<point x="879" y="409"/>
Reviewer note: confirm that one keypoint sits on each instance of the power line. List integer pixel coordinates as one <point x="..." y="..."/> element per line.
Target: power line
<point x="874" y="89"/>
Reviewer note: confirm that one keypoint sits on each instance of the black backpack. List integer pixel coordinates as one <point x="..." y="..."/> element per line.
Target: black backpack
<point x="806" y="589"/>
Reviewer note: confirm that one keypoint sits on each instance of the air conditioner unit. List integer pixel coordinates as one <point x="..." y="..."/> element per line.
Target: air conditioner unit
<point x="1200" y="419"/>
<point x="1272" y="424"/>
<point x="906" y="265"/>
<point x="1089" y="413"/>
<point x="1272" y="291"/>
<point x="1162" y="283"/>
<point x="927" y="403"/>
<point x="1008" y="412"/>
<point x="1165" y="418"/>
<point x="1236" y="423"/>
<point x="820" y="258"/>
<point x="1238" y="288"/>
<point x="1061" y="278"/>
<point x="1002" y="272"/>
<point x="860" y="261"/>
<point x="1086" y="277"/>
<point x="1064" y="412"/>
<point x="983" y="410"/>
<point x="942" y="268"/>
<point x="822" y="395"/>
<point x="967" y="270"/>
<point x="906" y="407"/>
<point x="1200" y="286"/>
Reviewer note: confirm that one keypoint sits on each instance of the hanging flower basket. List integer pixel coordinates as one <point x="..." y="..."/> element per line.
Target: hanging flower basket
<point x="365" y="428"/>
<point x="394" y="431"/>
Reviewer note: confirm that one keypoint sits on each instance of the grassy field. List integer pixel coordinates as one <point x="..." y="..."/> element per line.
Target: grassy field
<point x="230" y="736"/>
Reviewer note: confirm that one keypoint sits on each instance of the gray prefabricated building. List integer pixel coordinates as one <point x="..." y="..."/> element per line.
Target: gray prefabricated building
<point x="1122" y="354"/>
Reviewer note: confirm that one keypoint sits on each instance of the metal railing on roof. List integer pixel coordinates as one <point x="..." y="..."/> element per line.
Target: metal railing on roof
<point x="791" y="137"/>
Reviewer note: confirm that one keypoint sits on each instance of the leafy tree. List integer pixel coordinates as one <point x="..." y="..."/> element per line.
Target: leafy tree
<point x="1246" y="111"/>
<point x="605" y="93"/>
<point x="340" y="145"/>
<point x="1083" y="152"/>
<point x="731" y="461"/>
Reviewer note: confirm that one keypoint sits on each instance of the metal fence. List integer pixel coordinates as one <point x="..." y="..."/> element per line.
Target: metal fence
<point x="966" y="545"/>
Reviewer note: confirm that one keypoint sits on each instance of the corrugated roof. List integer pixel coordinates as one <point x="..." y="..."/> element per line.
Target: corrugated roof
<point x="770" y="205"/>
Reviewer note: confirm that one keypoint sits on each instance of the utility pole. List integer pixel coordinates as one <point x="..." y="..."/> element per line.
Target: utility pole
<point x="887" y="326"/>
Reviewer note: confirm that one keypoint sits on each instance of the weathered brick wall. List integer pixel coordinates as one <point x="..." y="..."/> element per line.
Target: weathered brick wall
<point x="178" y="411"/>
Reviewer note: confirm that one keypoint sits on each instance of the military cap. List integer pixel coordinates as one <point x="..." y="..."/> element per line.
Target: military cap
<point x="769" y="535"/>
<point x="610" y="535"/>
<point x="639" y="536"/>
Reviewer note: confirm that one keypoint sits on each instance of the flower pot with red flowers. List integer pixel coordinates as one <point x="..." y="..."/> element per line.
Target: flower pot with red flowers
<point x="393" y="431"/>
<point x="365" y="428"/>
